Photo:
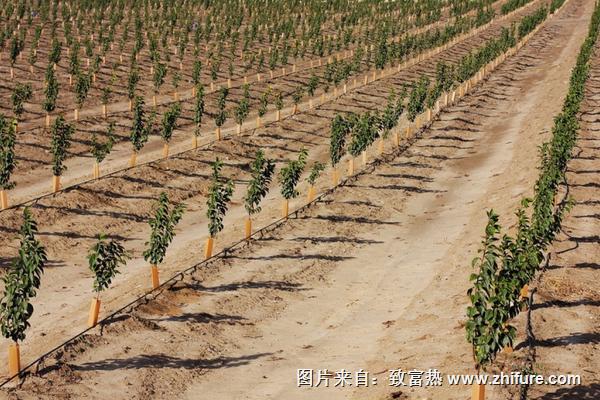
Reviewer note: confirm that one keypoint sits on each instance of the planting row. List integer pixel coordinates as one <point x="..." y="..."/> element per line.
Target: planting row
<point x="107" y="255"/>
<point x="508" y="262"/>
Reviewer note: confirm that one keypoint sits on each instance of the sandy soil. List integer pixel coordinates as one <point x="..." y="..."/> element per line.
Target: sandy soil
<point x="120" y="205"/>
<point x="373" y="276"/>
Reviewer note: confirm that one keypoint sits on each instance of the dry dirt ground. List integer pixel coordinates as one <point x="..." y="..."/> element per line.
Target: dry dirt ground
<point x="373" y="276"/>
<point x="120" y="205"/>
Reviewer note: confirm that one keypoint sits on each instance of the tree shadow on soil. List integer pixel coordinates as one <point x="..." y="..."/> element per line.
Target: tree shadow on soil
<point x="591" y="392"/>
<point x="164" y="361"/>
<point x="206" y="318"/>
<point x="411" y="189"/>
<point x="343" y="218"/>
<point x="230" y="287"/>
<point x="573" y="339"/>
<point x="562" y="303"/>
<point x="336" y="239"/>
<point x="320" y="257"/>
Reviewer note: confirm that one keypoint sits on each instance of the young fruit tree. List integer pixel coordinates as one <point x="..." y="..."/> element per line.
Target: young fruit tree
<point x="21" y="94"/>
<point x="340" y="128"/>
<point x="278" y="104"/>
<point x="169" y="124"/>
<point x="104" y="260"/>
<point x="261" y="170"/>
<point x="163" y="231"/>
<point x="487" y="325"/>
<point x="83" y="84"/>
<point x="132" y="81"/>
<point x="60" y="143"/>
<point x="243" y="109"/>
<point x="315" y="173"/>
<point x="140" y="131"/>
<point x="101" y="149"/>
<point x="20" y="286"/>
<point x="219" y="195"/>
<point x="297" y="97"/>
<point x="418" y="96"/>
<point x="8" y="137"/>
<point x="289" y="176"/>
<point x="50" y="93"/>
<point x="364" y="133"/>
<point x="221" y="115"/>
<point x="160" y="71"/>
<point x="311" y="88"/>
<point x="262" y="107"/>
<point x="198" y="113"/>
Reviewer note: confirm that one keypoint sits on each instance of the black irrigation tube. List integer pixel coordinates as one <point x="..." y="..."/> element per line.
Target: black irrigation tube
<point x="178" y="277"/>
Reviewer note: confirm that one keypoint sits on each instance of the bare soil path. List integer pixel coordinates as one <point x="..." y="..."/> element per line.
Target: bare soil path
<point x="372" y="277"/>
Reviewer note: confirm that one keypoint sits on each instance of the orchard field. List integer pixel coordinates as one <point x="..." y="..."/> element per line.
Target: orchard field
<point x="251" y="199"/>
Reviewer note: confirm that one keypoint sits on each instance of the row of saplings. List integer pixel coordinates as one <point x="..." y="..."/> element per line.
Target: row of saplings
<point x="508" y="264"/>
<point x="423" y="96"/>
<point x="351" y="133"/>
<point x="106" y="256"/>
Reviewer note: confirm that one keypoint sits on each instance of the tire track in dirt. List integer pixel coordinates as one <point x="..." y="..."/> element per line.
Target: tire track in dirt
<point x="387" y="249"/>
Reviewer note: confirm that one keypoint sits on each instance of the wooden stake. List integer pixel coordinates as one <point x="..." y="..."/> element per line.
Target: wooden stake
<point x="194" y="142"/>
<point x="209" y="248"/>
<point x="47" y="120"/>
<point x="525" y="291"/>
<point x="351" y="166"/>
<point x="478" y="392"/>
<point x="104" y="110"/>
<point x="334" y="177"/>
<point x="133" y="159"/>
<point x="364" y="157"/>
<point x="278" y="115"/>
<point x="3" y="200"/>
<point x="285" y="208"/>
<point x="76" y="114"/>
<point x="55" y="183"/>
<point x="239" y="129"/>
<point x="311" y="194"/>
<point x="14" y="359"/>
<point x="396" y="139"/>
<point x="96" y="170"/>
<point x="248" y="228"/>
<point x="155" y="280"/>
<point x="94" y="312"/>
<point x="218" y="133"/>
